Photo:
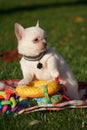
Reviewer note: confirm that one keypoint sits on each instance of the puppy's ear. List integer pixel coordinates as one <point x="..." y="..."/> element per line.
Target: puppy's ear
<point x="19" y="31"/>
<point x="37" y="24"/>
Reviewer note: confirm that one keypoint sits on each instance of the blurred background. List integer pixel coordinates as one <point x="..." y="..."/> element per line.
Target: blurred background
<point x="65" y="22"/>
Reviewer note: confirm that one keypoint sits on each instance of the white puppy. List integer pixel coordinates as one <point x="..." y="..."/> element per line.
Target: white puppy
<point x="41" y="62"/>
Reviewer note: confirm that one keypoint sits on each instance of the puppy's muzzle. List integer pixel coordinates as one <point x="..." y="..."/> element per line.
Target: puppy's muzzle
<point x="45" y="44"/>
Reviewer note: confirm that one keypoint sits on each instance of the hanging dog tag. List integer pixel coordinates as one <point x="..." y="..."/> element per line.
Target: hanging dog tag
<point x="39" y="65"/>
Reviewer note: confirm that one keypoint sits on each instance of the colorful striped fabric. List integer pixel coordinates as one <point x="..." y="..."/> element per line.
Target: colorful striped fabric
<point x="10" y="85"/>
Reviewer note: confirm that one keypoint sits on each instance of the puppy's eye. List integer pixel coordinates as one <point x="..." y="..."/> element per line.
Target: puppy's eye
<point x="35" y="40"/>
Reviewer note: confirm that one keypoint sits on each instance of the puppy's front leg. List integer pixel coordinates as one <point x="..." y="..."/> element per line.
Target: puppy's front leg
<point x="27" y="76"/>
<point x="53" y="68"/>
<point x="23" y="82"/>
<point x="26" y="80"/>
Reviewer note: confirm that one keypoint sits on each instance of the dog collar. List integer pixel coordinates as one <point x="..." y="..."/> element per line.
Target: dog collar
<point x="34" y="58"/>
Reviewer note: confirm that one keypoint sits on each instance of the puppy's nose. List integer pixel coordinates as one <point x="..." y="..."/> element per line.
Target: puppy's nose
<point x="45" y="44"/>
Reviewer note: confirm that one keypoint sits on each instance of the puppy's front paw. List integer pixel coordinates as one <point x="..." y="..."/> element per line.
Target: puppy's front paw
<point x="23" y="83"/>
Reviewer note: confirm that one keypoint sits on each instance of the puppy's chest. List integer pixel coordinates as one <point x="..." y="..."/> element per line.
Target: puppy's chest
<point x="41" y="70"/>
<point x="40" y="66"/>
<point x="36" y="66"/>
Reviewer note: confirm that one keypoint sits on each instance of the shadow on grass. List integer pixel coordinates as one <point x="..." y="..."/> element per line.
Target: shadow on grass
<point x="40" y="6"/>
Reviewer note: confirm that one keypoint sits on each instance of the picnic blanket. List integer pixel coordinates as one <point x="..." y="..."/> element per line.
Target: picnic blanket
<point x="11" y="104"/>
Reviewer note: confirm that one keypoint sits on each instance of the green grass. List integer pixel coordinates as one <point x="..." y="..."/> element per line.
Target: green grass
<point x="65" y="35"/>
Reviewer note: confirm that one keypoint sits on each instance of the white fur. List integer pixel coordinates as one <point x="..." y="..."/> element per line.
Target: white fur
<point x="53" y="64"/>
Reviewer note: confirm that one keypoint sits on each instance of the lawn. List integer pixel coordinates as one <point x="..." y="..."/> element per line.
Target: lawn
<point x="65" y="22"/>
